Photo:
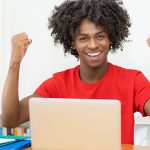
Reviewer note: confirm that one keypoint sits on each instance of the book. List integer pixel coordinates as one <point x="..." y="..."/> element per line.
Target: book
<point x="17" y="145"/>
<point x="18" y="131"/>
<point x="6" y="141"/>
<point x="11" y="137"/>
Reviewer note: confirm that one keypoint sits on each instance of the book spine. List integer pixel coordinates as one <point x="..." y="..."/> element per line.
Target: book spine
<point x="19" y="131"/>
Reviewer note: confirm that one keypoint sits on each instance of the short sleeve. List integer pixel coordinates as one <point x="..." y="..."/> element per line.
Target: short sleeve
<point x="142" y="92"/>
<point x="46" y="88"/>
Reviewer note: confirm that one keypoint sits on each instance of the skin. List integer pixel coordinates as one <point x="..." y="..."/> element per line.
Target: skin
<point x="15" y="112"/>
<point x="148" y="41"/>
<point x="92" y="44"/>
<point x="92" y="40"/>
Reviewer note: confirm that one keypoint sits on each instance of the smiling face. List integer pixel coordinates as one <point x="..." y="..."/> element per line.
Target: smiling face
<point x="92" y="44"/>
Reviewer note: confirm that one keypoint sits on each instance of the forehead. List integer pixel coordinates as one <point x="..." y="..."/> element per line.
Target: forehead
<point x="87" y="26"/>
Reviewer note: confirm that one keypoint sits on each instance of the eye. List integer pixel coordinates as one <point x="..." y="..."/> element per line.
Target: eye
<point x="83" y="39"/>
<point x="100" y="37"/>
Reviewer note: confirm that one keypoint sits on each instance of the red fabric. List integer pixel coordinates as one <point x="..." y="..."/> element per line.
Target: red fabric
<point x="129" y="86"/>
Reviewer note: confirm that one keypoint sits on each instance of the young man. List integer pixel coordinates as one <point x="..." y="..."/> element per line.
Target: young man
<point x="89" y="30"/>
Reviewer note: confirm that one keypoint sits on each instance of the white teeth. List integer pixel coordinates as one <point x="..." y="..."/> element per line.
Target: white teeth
<point x="92" y="54"/>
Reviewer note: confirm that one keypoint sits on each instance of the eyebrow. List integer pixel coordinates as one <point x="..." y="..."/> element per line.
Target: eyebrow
<point x="79" y="33"/>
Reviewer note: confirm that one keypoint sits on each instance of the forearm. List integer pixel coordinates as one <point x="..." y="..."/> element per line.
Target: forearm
<point x="10" y="98"/>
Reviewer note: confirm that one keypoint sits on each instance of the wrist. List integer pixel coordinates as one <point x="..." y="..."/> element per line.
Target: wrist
<point x="14" y="65"/>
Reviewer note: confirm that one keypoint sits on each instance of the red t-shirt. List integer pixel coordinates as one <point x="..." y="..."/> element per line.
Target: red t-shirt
<point x="129" y="86"/>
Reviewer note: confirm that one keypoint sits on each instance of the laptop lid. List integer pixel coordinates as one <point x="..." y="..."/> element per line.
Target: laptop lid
<point x="75" y="124"/>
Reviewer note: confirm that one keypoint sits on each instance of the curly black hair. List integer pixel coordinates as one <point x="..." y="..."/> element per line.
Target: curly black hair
<point x="110" y="14"/>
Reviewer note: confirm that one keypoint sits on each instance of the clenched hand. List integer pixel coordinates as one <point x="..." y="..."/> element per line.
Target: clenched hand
<point x="20" y="43"/>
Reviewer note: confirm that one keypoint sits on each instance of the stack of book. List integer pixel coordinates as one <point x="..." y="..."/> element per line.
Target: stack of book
<point x="14" y="143"/>
<point x="19" y="131"/>
<point x="14" y="138"/>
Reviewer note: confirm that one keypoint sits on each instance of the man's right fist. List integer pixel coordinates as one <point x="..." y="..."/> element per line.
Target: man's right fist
<point x="148" y="41"/>
<point x="20" y="43"/>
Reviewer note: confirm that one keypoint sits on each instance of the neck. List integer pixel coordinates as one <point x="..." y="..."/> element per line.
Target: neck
<point x="91" y="75"/>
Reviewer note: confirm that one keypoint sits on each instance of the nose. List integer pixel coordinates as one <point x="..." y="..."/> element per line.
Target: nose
<point x="93" y="44"/>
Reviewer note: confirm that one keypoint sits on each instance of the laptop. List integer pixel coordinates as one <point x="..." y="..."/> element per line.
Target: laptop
<point x="75" y="124"/>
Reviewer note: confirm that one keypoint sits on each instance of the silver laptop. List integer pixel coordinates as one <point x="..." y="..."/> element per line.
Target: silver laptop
<point x="75" y="124"/>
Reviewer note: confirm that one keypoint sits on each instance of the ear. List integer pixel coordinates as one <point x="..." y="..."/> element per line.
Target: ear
<point x="110" y="46"/>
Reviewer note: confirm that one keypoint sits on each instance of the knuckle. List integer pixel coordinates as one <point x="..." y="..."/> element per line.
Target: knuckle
<point x="14" y="41"/>
<point x="24" y="35"/>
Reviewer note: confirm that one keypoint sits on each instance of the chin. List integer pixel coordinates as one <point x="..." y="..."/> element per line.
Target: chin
<point x="95" y="65"/>
<point x="98" y="64"/>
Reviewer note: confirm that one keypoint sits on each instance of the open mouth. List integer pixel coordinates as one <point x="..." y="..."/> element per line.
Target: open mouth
<point x="93" y="54"/>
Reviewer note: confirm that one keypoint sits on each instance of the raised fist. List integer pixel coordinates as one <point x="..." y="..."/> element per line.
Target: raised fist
<point x="148" y="41"/>
<point x="20" y="43"/>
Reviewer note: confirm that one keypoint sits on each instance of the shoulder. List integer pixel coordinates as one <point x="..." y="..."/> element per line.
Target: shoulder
<point x="122" y="70"/>
<point x="129" y="76"/>
<point x="122" y="74"/>
<point x="61" y="76"/>
<point x="66" y="73"/>
<point x="59" y="79"/>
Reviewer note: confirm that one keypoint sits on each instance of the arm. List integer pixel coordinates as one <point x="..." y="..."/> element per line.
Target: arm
<point x="147" y="104"/>
<point x="147" y="107"/>
<point x="15" y="112"/>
